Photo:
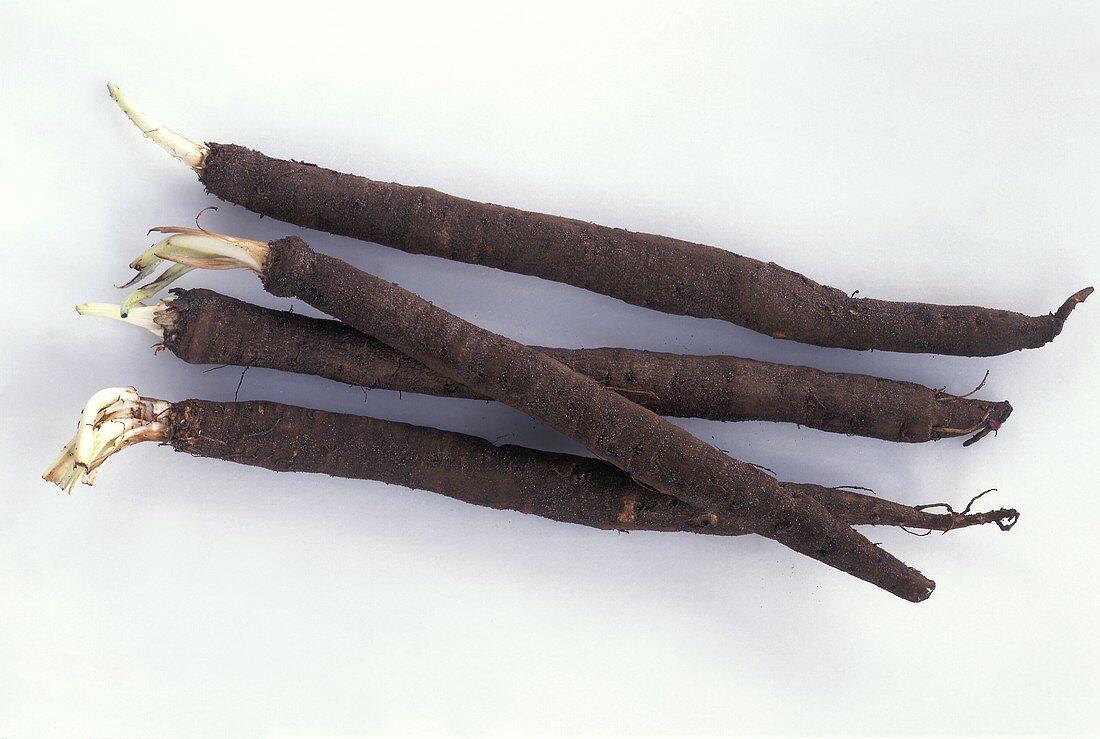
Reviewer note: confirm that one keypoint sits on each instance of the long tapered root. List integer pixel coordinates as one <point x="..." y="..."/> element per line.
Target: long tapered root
<point x="112" y="419"/>
<point x="190" y="249"/>
<point x="191" y="153"/>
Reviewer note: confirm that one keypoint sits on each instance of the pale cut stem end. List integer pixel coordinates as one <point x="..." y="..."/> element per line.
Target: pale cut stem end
<point x="187" y="151"/>
<point x="112" y="420"/>
<point x="192" y="248"/>
<point x="136" y="297"/>
<point x="143" y="316"/>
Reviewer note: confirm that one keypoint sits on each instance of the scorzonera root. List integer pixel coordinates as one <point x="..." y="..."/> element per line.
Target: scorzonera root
<point x="561" y="487"/>
<point x="652" y="271"/>
<point x="204" y="327"/>
<point x="634" y="439"/>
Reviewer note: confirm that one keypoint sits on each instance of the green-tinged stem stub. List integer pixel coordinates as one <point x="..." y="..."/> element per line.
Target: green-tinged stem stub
<point x="189" y="249"/>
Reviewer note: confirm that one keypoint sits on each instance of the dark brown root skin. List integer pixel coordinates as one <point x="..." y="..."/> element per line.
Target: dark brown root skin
<point x="561" y="487"/>
<point x="646" y="446"/>
<point x="205" y="327"/>
<point x="652" y="271"/>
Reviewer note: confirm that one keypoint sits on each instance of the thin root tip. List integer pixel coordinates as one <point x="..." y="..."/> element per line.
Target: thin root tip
<point x="1067" y="307"/>
<point x="1008" y="518"/>
<point x="1080" y="295"/>
<point x="923" y="593"/>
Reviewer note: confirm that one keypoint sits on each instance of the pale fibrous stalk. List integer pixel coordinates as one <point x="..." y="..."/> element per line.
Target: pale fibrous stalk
<point x="148" y="317"/>
<point x="112" y="419"/>
<point x="187" y="151"/>
<point x="189" y="249"/>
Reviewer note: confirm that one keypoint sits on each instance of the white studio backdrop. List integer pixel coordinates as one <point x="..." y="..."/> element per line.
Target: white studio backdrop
<point x="940" y="152"/>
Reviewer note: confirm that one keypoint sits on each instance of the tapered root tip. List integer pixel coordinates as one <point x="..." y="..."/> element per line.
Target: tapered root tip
<point x="1000" y="413"/>
<point x="1004" y="518"/>
<point x="1071" y="302"/>
<point x="923" y="593"/>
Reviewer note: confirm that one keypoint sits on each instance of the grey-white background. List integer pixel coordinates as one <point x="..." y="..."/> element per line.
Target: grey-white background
<point x="942" y="152"/>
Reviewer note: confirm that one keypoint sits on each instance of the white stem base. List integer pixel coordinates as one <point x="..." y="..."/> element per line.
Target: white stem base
<point x="187" y="151"/>
<point x="112" y="420"/>
<point x="143" y="316"/>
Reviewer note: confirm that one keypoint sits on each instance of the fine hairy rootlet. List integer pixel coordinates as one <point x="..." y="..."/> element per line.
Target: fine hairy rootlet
<point x="204" y="327"/>
<point x="646" y="446"/>
<point x="562" y="487"/>
<point x="652" y="271"/>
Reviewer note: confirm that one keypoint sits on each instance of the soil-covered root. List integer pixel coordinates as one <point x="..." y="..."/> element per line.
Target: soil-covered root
<point x="203" y="327"/>
<point x="561" y="487"/>
<point x="652" y="271"/>
<point x="652" y="450"/>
